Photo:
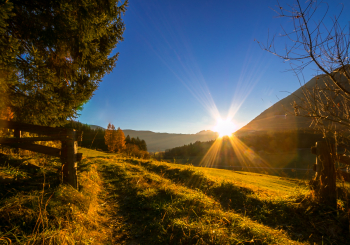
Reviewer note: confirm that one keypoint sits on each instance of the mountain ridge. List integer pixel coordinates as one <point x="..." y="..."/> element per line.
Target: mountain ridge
<point x="157" y="141"/>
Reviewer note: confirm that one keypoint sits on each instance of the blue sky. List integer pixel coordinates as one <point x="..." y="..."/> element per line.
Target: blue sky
<point x="184" y="62"/>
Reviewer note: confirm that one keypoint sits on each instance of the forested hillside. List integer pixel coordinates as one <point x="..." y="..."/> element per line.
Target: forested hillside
<point x="263" y="151"/>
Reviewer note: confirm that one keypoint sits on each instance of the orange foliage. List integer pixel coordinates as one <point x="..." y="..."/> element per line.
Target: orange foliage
<point x="6" y="114"/>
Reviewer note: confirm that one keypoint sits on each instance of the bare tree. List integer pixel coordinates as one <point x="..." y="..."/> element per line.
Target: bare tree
<point x="326" y="47"/>
<point x="322" y="43"/>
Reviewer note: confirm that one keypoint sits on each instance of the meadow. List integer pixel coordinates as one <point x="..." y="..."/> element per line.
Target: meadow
<point x="296" y="163"/>
<point x="124" y="200"/>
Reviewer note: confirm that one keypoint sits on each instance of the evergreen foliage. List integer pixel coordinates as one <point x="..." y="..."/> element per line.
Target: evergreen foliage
<point x="92" y="138"/>
<point x="53" y="54"/>
<point x="141" y="144"/>
<point x="95" y="139"/>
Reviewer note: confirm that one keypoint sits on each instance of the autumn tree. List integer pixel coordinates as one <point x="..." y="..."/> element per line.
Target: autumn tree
<point x="120" y="140"/>
<point x="110" y="137"/>
<point x="53" y="55"/>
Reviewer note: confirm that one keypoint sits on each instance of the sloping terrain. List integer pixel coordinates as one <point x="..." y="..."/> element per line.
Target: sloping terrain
<point x="125" y="200"/>
<point x="161" y="203"/>
<point x="280" y="116"/>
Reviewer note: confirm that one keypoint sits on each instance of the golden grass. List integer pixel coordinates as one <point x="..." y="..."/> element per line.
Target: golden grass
<point x="55" y="214"/>
<point x="125" y="200"/>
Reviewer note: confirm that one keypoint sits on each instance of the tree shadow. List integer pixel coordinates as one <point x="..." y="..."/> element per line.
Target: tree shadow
<point x="24" y="178"/>
<point x="297" y="218"/>
<point x="145" y="219"/>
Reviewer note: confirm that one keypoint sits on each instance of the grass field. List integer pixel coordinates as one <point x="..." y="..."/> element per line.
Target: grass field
<point x="125" y="200"/>
<point x="295" y="164"/>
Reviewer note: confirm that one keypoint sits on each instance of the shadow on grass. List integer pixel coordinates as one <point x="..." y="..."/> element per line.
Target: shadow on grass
<point x="298" y="218"/>
<point x="23" y="178"/>
<point x="33" y="213"/>
<point x="146" y="218"/>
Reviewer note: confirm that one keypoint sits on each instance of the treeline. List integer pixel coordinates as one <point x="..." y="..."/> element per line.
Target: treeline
<point x="112" y="140"/>
<point x="191" y="150"/>
<point x="281" y="141"/>
<point x="141" y="144"/>
<point x="92" y="138"/>
<point x="266" y="141"/>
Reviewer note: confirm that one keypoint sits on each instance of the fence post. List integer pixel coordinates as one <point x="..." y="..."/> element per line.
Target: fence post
<point x="17" y="134"/>
<point x="324" y="182"/>
<point x="68" y="156"/>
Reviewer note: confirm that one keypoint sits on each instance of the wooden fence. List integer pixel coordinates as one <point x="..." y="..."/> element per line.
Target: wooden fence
<point x="324" y="182"/>
<point x="69" y="148"/>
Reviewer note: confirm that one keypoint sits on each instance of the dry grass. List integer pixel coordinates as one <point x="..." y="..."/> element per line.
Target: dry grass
<point x="37" y="210"/>
<point x="125" y="200"/>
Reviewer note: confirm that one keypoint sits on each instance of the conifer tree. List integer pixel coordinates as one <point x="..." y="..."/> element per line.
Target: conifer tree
<point x="143" y="145"/>
<point x="53" y="54"/>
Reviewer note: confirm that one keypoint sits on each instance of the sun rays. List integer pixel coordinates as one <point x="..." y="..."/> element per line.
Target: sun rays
<point x="178" y="54"/>
<point x="241" y="156"/>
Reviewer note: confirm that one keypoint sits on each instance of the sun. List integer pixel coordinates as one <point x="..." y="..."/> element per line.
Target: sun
<point x="224" y="127"/>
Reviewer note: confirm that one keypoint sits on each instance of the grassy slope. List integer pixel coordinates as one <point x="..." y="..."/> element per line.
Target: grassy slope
<point x="278" y="185"/>
<point x="292" y="164"/>
<point x="132" y="201"/>
<point x="172" y="203"/>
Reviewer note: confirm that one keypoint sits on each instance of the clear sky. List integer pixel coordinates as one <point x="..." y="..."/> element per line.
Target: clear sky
<point x="184" y="62"/>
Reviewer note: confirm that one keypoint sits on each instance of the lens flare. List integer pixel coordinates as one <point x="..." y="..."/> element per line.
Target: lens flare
<point x="224" y="127"/>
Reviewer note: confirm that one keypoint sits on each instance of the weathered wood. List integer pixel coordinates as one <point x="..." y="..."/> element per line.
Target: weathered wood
<point x="69" y="158"/>
<point x="79" y="156"/>
<point x="41" y="130"/>
<point x="324" y="181"/>
<point x="17" y="134"/>
<point x="39" y="148"/>
<point x="26" y="140"/>
<point x="69" y="146"/>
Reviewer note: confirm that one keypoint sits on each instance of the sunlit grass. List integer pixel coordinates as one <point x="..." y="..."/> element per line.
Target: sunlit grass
<point x="125" y="200"/>
<point x="245" y="156"/>
<point x="282" y="203"/>
<point x="182" y="214"/>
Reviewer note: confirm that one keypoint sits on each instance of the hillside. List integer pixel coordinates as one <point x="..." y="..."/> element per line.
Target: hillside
<point x="125" y="200"/>
<point x="162" y="141"/>
<point x="280" y="116"/>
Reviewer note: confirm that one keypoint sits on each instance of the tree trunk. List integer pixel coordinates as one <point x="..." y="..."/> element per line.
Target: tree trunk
<point x="324" y="182"/>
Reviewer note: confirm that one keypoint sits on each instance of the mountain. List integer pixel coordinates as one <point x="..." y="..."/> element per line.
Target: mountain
<point x="280" y="116"/>
<point x="162" y="141"/>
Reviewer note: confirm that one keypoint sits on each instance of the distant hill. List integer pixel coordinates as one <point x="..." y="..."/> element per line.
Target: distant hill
<point x="162" y="141"/>
<point x="94" y="127"/>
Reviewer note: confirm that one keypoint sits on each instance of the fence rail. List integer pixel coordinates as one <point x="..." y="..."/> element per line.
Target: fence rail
<point x="69" y="147"/>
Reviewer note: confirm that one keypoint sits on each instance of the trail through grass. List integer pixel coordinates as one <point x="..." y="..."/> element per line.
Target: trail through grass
<point x="124" y="200"/>
<point x="165" y="203"/>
